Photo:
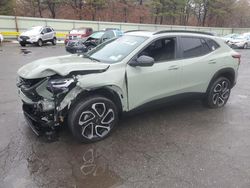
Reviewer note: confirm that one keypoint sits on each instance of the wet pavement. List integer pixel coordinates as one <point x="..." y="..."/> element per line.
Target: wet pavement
<point x="181" y="145"/>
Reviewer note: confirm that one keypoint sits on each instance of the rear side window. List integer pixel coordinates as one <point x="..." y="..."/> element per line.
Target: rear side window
<point x="194" y="47"/>
<point x="212" y="44"/>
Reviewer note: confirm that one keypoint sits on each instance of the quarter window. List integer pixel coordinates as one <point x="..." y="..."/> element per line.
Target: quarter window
<point x="194" y="47"/>
<point x="212" y="44"/>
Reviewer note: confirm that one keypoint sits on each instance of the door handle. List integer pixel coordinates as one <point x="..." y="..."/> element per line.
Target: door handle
<point x="212" y="61"/>
<point x="174" y="67"/>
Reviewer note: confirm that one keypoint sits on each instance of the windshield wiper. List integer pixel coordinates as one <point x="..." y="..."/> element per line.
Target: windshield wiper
<point x="91" y="58"/>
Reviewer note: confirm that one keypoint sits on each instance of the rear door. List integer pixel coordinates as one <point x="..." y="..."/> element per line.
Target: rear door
<point x="199" y="63"/>
<point x="50" y="33"/>
<point x="163" y="79"/>
<point x="44" y="35"/>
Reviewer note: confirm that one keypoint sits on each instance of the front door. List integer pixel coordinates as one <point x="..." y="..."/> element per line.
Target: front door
<point x="163" y="79"/>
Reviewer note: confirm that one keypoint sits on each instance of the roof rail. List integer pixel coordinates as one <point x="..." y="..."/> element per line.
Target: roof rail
<point x="183" y="31"/>
<point x="129" y="31"/>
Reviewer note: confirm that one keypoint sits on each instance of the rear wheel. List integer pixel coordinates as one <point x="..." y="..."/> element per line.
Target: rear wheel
<point x="53" y="41"/>
<point x="218" y="93"/>
<point x="93" y="119"/>
<point x="245" y="46"/>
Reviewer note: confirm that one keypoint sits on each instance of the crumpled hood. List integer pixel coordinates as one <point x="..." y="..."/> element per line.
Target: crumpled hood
<point x="61" y="65"/>
<point x="30" y="33"/>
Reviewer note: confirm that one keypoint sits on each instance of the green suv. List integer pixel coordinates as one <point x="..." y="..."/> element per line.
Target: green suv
<point x="90" y="92"/>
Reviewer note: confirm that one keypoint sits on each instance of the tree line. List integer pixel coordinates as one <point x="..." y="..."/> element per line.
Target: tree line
<point x="221" y="13"/>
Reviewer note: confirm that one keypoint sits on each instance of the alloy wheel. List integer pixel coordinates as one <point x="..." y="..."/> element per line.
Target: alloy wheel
<point x="40" y="42"/>
<point x="221" y="93"/>
<point x="96" y="121"/>
<point x="54" y="41"/>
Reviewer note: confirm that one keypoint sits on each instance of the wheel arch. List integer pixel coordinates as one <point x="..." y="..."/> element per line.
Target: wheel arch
<point x="107" y="91"/>
<point x="229" y="73"/>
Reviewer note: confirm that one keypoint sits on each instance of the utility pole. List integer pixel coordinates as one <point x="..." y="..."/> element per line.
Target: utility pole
<point x="17" y="29"/>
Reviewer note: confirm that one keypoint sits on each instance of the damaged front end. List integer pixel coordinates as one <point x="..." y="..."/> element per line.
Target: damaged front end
<point x="42" y="100"/>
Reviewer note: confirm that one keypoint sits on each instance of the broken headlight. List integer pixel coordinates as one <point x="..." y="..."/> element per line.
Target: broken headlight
<point x="60" y="85"/>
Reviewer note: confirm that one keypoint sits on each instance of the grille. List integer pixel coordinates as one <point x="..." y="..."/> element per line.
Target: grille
<point x="73" y="37"/>
<point x="24" y="37"/>
<point x="26" y="87"/>
<point x="29" y="82"/>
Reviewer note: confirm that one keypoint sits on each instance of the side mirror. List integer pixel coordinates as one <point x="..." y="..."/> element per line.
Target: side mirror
<point x="42" y="33"/>
<point x="143" y="61"/>
<point x="104" y="39"/>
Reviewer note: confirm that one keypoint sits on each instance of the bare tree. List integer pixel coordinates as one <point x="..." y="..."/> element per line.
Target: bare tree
<point x="52" y="6"/>
<point x="78" y="6"/>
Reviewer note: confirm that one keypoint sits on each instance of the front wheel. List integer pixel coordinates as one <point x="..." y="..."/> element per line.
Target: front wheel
<point x="218" y="93"/>
<point x="39" y="43"/>
<point x="90" y="47"/>
<point x="92" y="119"/>
<point x="245" y="46"/>
<point x="22" y="44"/>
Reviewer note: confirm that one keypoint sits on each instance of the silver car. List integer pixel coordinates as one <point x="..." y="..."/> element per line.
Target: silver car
<point x="38" y="35"/>
<point x="241" y="41"/>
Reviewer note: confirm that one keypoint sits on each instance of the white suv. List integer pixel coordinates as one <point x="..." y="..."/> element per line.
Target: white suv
<point x="38" y="35"/>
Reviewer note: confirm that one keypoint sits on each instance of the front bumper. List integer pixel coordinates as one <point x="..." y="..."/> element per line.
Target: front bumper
<point x="74" y="50"/>
<point x="236" y="45"/>
<point x="38" y="122"/>
<point x="27" y="41"/>
<point x="40" y="114"/>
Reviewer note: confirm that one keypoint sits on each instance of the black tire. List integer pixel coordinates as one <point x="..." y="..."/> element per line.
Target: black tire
<point x="90" y="47"/>
<point x="88" y="119"/>
<point x="245" y="46"/>
<point x="22" y="44"/>
<point x="40" y="43"/>
<point x="53" y="41"/>
<point x="218" y="93"/>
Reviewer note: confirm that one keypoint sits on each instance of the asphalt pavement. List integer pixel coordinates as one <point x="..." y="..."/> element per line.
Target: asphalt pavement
<point x="182" y="145"/>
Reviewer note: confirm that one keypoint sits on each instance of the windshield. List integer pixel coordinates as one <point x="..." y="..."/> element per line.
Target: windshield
<point x="97" y="35"/>
<point x="116" y="49"/>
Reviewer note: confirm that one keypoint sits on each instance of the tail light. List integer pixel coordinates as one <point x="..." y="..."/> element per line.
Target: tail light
<point x="237" y="56"/>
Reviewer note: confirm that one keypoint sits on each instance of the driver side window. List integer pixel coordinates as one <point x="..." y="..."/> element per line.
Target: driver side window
<point x="44" y="31"/>
<point x="161" y="50"/>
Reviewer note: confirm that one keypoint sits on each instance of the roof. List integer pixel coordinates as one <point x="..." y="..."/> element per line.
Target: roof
<point x="140" y="33"/>
<point x="162" y="32"/>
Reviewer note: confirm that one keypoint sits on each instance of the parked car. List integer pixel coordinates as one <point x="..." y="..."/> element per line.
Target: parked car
<point x="246" y="35"/>
<point x="38" y="35"/>
<point x="241" y="41"/>
<point x="228" y="37"/>
<point x="1" y="38"/>
<point x="79" y="33"/>
<point x="84" y="45"/>
<point x="90" y="92"/>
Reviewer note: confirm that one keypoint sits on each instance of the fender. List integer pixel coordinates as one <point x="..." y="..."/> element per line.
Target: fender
<point x="113" y="92"/>
<point x="227" y="72"/>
